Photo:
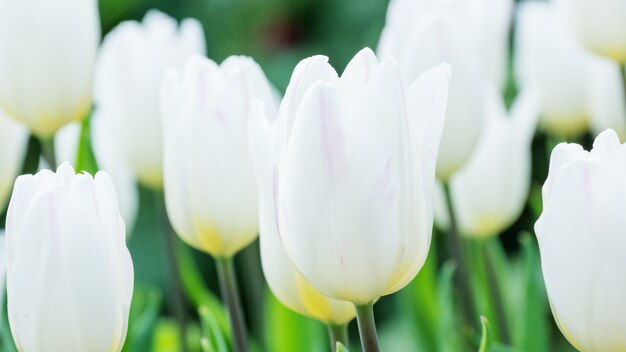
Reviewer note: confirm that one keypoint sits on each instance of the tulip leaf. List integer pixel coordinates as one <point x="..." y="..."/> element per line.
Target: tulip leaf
<point x="531" y="324"/>
<point x="144" y="312"/>
<point x="449" y="331"/>
<point x="167" y="336"/>
<point x="85" y="158"/>
<point x="287" y="331"/>
<point x="485" y="341"/>
<point x="341" y="348"/>
<point x="212" y="336"/>
<point x="419" y="303"/>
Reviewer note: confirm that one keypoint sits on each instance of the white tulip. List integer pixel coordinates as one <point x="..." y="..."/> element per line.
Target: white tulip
<point x="287" y="284"/>
<point x="420" y="41"/>
<point x="210" y="190"/>
<point x="131" y="64"/>
<point x="13" y="146"/>
<point x="607" y="103"/>
<point x="581" y="239"/>
<point x="355" y="177"/>
<point x="598" y="24"/>
<point x="549" y="59"/>
<point x="47" y="62"/>
<point x="107" y="157"/>
<point x="489" y="193"/>
<point x="70" y="275"/>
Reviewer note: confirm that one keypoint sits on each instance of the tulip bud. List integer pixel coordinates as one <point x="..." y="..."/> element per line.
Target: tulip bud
<point x="486" y="203"/>
<point x="420" y="41"/>
<point x="13" y="145"/>
<point x="70" y="275"/>
<point x="550" y="60"/>
<point x="581" y="240"/>
<point x="284" y="280"/>
<point x="131" y="64"/>
<point x="210" y="190"/>
<point x="598" y="24"/>
<point x="66" y="144"/>
<point x="46" y="66"/>
<point x="356" y="173"/>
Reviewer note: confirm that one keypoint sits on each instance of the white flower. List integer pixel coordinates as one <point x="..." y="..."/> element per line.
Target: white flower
<point x="355" y="179"/>
<point x="131" y="64"/>
<point x="70" y="276"/>
<point x="46" y="66"/>
<point x="581" y="239"/>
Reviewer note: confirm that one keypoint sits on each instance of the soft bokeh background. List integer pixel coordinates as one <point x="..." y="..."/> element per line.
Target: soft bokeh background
<point x="278" y="34"/>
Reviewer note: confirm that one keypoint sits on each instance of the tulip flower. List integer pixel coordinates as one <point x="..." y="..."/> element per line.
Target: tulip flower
<point x="287" y="284"/>
<point x="210" y="189"/>
<point x="133" y="58"/>
<point x="66" y="145"/>
<point x="581" y="240"/>
<point x="47" y="62"/>
<point x="598" y="24"/>
<point x="421" y="39"/>
<point x="486" y="203"/>
<point x="70" y="275"/>
<point x="550" y="60"/>
<point x="13" y="145"/>
<point x="607" y="103"/>
<point x="355" y="177"/>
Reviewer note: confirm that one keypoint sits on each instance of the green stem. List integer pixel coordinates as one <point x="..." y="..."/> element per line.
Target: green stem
<point x="47" y="151"/>
<point x="337" y="333"/>
<point x="495" y="292"/>
<point x="455" y="248"/>
<point x="367" y="327"/>
<point x="177" y="301"/>
<point x="230" y="295"/>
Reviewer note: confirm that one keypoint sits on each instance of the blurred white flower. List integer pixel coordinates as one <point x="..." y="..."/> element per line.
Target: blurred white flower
<point x="66" y="149"/>
<point x="130" y="67"/>
<point x="210" y="190"/>
<point x="70" y="276"/>
<point x="549" y="59"/>
<point x="607" y="99"/>
<point x="47" y="62"/>
<point x="13" y="146"/>
<point x="287" y="284"/>
<point x="490" y="191"/>
<point x="420" y="39"/>
<point x="581" y="239"/>
<point x="599" y="24"/>
<point x="355" y="177"/>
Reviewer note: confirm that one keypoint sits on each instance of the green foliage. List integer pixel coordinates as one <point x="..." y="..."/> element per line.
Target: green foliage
<point x="287" y="331"/>
<point x="341" y="348"/>
<point x="144" y="313"/>
<point x="485" y="341"/>
<point x="213" y="339"/>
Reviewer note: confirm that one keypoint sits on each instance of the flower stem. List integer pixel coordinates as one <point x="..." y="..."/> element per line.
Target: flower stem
<point x="367" y="327"/>
<point x="230" y="295"/>
<point x="496" y="295"/>
<point x="47" y="152"/>
<point x="337" y="333"/>
<point x="455" y="248"/>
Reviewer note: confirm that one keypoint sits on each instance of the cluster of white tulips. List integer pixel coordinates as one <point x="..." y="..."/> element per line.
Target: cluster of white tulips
<point x="342" y="176"/>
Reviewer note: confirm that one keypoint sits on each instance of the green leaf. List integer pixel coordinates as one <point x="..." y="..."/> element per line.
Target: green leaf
<point x="144" y="312"/>
<point x="287" y="331"/>
<point x="531" y="324"/>
<point x="485" y="341"/>
<point x="449" y="331"/>
<point x="213" y="338"/>
<point x="341" y="347"/>
<point x="167" y="336"/>
<point x="418" y="302"/>
<point x="85" y="158"/>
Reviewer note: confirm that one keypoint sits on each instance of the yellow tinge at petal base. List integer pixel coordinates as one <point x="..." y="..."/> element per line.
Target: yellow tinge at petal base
<point x="208" y="238"/>
<point x="321" y="307"/>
